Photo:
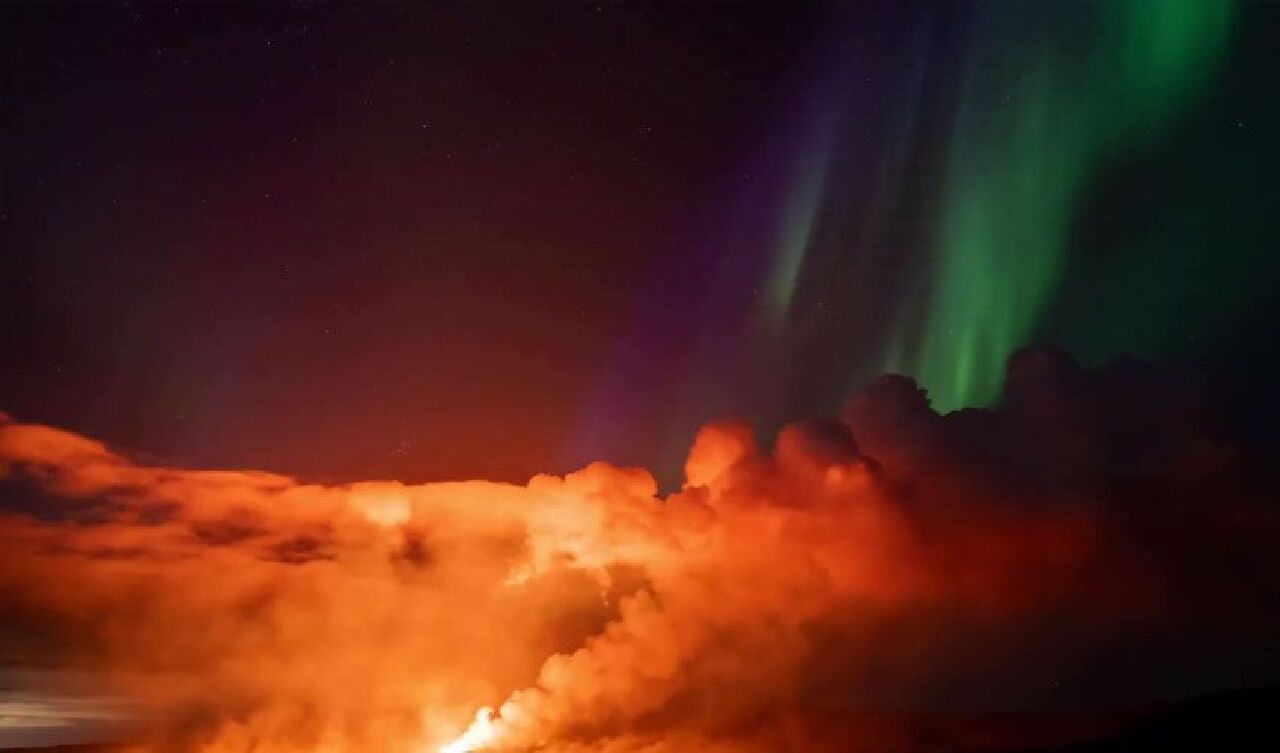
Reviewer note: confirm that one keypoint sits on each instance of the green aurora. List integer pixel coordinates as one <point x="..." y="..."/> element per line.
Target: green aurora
<point x="1019" y="160"/>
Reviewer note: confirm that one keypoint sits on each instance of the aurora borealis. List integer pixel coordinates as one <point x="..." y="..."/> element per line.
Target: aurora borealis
<point x="1039" y="115"/>
<point x="639" y="377"/>
<point x="782" y="208"/>
<point x="1044" y="99"/>
<point x="968" y="180"/>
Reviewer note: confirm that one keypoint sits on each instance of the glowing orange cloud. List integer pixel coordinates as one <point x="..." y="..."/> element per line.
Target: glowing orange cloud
<point x="246" y="610"/>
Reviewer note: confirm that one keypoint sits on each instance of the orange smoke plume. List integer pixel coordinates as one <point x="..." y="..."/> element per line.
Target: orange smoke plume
<point x="248" y="611"/>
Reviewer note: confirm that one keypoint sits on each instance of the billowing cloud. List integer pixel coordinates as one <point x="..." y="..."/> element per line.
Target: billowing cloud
<point x="1093" y="536"/>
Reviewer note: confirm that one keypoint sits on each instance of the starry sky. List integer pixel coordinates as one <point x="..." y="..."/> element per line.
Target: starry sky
<point x="450" y="241"/>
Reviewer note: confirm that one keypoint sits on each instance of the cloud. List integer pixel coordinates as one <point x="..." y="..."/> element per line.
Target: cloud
<point x="1092" y="537"/>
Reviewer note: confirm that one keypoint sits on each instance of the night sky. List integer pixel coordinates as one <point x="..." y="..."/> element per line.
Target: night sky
<point x="489" y="240"/>
<point x="929" y="348"/>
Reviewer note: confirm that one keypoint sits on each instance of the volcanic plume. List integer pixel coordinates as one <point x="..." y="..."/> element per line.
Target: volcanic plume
<point x="892" y="558"/>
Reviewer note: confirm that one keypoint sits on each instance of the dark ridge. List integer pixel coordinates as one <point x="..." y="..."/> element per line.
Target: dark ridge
<point x="1237" y="721"/>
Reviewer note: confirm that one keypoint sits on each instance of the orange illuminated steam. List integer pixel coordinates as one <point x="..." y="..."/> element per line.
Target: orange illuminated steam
<point x="240" y="610"/>
<point x="481" y="732"/>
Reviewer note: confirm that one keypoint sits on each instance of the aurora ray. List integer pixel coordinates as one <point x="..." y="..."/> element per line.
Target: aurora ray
<point x="1038" y="117"/>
